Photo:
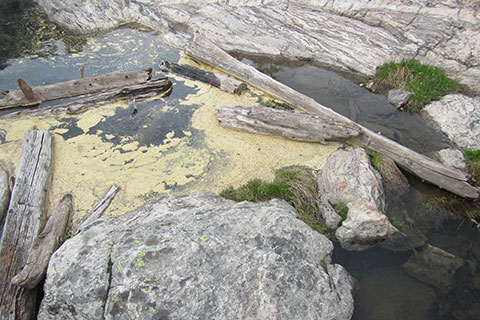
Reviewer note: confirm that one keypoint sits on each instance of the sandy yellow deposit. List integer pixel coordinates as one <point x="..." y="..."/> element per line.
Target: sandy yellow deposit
<point x="86" y="165"/>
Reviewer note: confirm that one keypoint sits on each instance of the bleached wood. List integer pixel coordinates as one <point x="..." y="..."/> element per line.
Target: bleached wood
<point x="15" y="98"/>
<point x="4" y="196"/>
<point x="432" y="171"/>
<point x="291" y="125"/>
<point x="25" y="218"/>
<point x="44" y="245"/>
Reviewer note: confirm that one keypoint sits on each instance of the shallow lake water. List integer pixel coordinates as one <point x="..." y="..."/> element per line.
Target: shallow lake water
<point x="171" y="140"/>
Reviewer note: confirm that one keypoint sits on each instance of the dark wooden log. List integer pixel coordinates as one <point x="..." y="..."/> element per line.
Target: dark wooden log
<point x="432" y="171"/>
<point x="44" y="245"/>
<point x="15" y="98"/>
<point x="25" y="218"/>
<point x="225" y="83"/>
<point x="98" y="210"/>
<point x="289" y="124"/>
<point x="4" y="197"/>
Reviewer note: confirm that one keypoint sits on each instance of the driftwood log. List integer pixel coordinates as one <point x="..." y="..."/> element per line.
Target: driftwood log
<point x="4" y="197"/>
<point x="98" y="210"/>
<point x="292" y="125"/>
<point x="45" y="244"/>
<point x="25" y="218"/>
<point x="225" y="83"/>
<point x="432" y="171"/>
<point x="145" y="90"/>
<point x="15" y="98"/>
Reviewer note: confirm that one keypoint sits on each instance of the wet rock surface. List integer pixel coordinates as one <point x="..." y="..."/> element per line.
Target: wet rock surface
<point x="351" y="35"/>
<point x="198" y="257"/>
<point x="434" y="266"/>
<point x="398" y="98"/>
<point x="458" y="116"/>
<point x="348" y="177"/>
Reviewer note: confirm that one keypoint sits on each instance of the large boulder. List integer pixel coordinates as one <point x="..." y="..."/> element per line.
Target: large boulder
<point x="351" y="35"/>
<point x="348" y="177"/>
<point x="458" y="116"/>
<point x="198" y="256"/>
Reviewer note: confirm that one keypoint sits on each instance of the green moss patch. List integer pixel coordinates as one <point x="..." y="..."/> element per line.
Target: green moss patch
<point x="473" y="164"/>
<point x="427" y="83"/>
<point x="296" y="184"/>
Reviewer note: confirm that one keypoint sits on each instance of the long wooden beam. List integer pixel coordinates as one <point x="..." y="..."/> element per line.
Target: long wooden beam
<point x="428" y="169"/>
<point x="15" y="98"/>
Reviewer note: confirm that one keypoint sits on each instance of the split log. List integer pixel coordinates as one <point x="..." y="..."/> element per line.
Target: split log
<point x="98" y="210"/>
<point x="25" y="218"/>
<point x="4" y="197"/>
<point x="289" y="124"/>
<point x="432" y="171"/>
<point x="225" y="83"/>
<point x="145" y="90"/>
<point x="44" y="245"/>
<point x="16" y="98"/>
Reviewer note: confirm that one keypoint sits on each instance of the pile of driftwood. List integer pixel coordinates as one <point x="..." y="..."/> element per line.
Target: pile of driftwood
<point x="28" y="238"/>
<point x="305" y="126"/>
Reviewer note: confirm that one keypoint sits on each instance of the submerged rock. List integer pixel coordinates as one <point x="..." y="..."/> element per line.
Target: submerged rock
<point x="398" y="98"/>
<point x="434" y="266"/>
<point x="351" y="35"/>
<point x="198" y="257"/>
<point x="348" y="177"/>
<point x="458" y="117"/>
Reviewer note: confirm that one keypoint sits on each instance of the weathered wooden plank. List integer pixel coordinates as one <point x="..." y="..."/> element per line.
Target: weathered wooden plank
<point x="4" y="197"/>
<point x="73" y="88"/>
<point x="292" y="125"/>
<point x="25" y="217"/>
<point x="225" y="83"/>
<point x="44" y="245"/>
<point x="98" y="210"/>
<point x="446" y="178"/>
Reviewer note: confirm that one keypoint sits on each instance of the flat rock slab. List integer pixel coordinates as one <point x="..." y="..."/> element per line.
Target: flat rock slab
<point x="198" y="256"/>
<point x="351" y="35"/>
<point x="458" y="117"/>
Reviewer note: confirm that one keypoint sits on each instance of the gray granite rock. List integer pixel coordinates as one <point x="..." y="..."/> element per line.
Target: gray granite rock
<point x="398" y="98"/>
<point x="458" y="117"/>
<point x="452" y="158"/>
<point x="4" y="196"/>
<point x="434" y="266"/>
<point x="198" y="257"/>
<point x="351" y="35"/>
<point x="348" y="177"/>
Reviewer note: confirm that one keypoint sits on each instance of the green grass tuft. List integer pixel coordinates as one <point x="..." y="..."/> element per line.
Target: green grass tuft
<point x="427" y="83"/>
<point x="473" y="164"/>
<point x="296" y="184"/>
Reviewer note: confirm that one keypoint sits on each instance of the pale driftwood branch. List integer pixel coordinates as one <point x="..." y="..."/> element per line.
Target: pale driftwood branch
<point x="44" y="245"/>
<point x="292" y="125"/>
<point x="4" y="196"/>
<point x="25" y="217"/>
<point x="225" y="83"/>
<point x="15" y="98"/>
<point x="446" y="178"/>
<point x="98" y="210"/>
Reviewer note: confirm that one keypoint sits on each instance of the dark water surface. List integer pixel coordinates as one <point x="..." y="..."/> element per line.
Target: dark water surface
<point x="385" y="290"/>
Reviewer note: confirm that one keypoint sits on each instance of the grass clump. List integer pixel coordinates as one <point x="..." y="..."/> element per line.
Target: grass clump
<point x="295" y="184"/>
<point x="342" y="210"/>
<point x="427" y="83"/>
<point x="473" y="164"/>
